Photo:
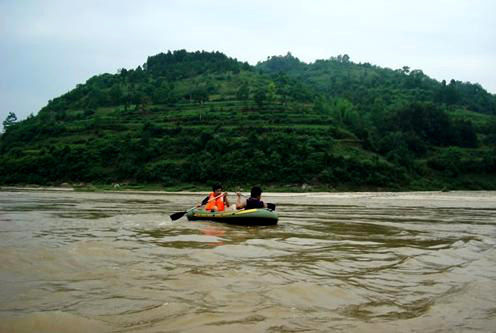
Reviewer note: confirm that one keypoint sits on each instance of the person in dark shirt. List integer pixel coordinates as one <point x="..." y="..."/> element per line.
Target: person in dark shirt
<point x="254" y="201"/>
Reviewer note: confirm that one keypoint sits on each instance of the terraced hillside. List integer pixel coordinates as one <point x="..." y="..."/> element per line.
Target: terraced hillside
<point x="187" y="119"/>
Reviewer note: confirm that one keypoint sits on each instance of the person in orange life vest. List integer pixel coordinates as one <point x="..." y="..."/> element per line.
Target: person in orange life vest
<point x="254" y="201"/>
<point x="220" y="203"/>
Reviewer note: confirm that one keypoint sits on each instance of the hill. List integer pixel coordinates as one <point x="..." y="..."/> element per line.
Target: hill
<point x="186" y="119"/>
<point x="372" y="88"/>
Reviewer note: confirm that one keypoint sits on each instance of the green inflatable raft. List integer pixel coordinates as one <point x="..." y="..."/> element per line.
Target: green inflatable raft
<point x="255" y="217"/>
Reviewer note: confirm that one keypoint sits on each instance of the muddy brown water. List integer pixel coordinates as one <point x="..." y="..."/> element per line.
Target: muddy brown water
<point x="336" y="262"/>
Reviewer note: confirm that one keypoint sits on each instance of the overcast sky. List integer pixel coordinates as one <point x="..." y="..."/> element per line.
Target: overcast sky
<point x="47" y="47"/>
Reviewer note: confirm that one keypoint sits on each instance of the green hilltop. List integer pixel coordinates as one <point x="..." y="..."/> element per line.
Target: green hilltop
<point x="187" y="119"/>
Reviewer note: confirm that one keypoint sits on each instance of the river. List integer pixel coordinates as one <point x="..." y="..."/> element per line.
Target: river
<point x="336" y="262"/>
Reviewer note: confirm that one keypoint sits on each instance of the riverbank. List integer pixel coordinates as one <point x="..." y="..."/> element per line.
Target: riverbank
<point x="185" y="189"/>
<point x="459" y="183"/>
<point x="480" y="199"/>
<point x="195" y="188"/>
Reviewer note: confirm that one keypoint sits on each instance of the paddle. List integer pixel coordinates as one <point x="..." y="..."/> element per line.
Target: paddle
<point x="178" y="215"/>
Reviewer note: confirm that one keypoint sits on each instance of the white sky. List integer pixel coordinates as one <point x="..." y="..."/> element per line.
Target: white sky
<point x="47" y="47"/>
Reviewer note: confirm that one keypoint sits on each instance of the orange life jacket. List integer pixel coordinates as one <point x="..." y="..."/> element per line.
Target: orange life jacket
<point x="219" y="202"/>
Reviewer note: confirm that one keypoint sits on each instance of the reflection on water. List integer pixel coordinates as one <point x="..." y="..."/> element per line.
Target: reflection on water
<point x="336" y="262"/>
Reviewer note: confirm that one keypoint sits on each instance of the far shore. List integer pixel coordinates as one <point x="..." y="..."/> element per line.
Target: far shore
<point x="124" y="190"/>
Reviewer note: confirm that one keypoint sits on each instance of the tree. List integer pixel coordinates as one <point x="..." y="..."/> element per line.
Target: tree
<point x="260" y="96"/>
<point x="199" y="94"/>
<point x="342" y="110"/>
<point x="271" y="91"/>
<point x="243" y="92"/>
<point x="451" y="94"/>
<point x="465" y="134"/>
<point x="115" y="94"/>
<point x="9" y="121"/>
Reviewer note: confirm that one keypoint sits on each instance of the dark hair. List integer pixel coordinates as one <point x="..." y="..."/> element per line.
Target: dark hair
<point x="216" y="186"/>
<point x="256" y="191"/>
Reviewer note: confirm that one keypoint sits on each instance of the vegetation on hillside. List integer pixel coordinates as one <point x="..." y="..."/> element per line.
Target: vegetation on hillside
<point x="186" y="119"/>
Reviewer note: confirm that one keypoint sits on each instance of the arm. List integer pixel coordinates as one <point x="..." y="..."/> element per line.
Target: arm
<point x="226" y="201"/>
<point x="204" y="202"/>
<point x="239" y="204"/>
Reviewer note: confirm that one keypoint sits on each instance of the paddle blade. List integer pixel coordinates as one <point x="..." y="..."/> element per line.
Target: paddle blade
<point x="177" y="216"/>
<point x="271" y="206"/>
